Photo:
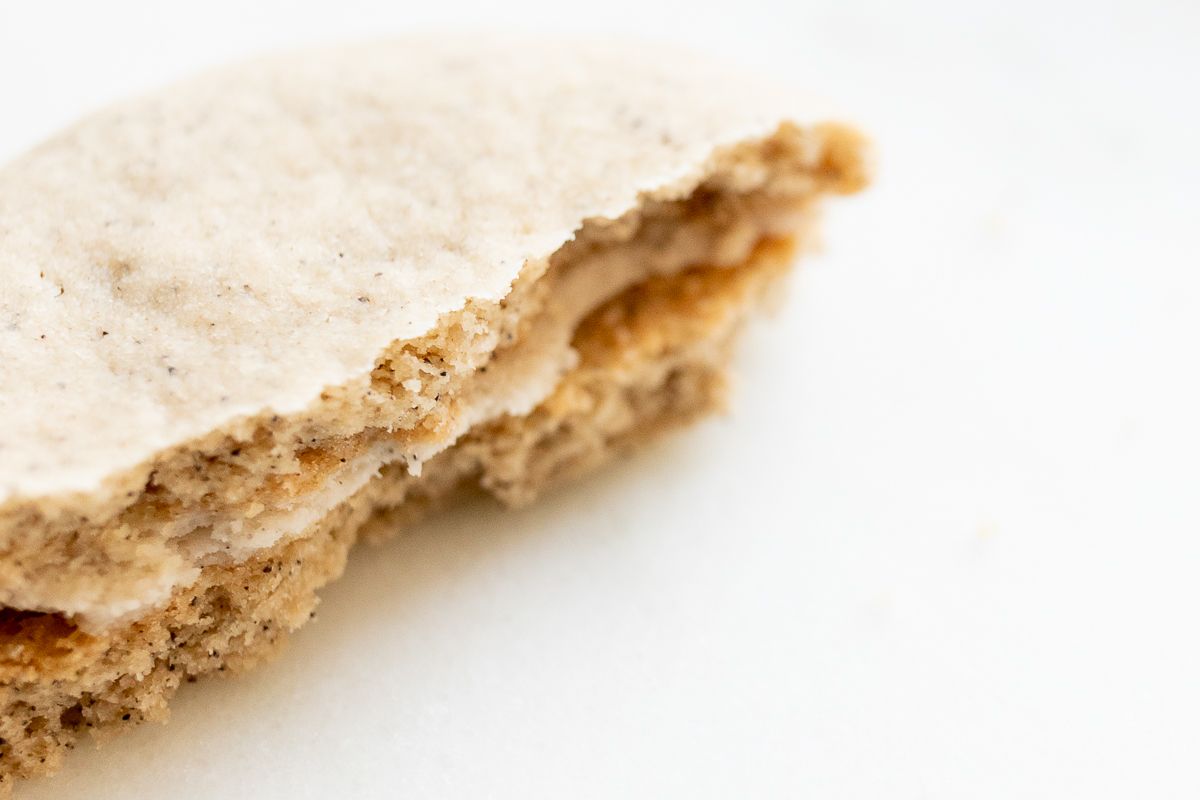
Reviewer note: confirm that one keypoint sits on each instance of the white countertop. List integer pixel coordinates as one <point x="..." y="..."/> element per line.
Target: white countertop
<point x="946" y="544"/>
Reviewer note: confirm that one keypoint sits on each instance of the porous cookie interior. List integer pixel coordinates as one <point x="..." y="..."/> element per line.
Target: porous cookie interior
<point x="652" y="357"/>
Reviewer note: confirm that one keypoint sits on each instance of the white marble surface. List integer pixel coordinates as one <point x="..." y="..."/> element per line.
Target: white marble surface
<point x="945" y="546"/>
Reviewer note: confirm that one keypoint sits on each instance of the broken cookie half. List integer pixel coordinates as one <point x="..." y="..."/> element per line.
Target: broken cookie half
<point x="254" y="317"/>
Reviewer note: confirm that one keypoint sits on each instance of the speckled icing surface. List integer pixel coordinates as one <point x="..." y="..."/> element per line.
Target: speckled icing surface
<point x="237" y="243"/>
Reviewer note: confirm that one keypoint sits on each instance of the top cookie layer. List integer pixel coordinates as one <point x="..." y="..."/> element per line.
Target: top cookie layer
<point x="236" y="243"/>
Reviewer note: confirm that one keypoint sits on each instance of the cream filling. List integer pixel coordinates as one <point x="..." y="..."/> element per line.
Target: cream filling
<point x="524" y="381"/>
<point x="516" y="381"/>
